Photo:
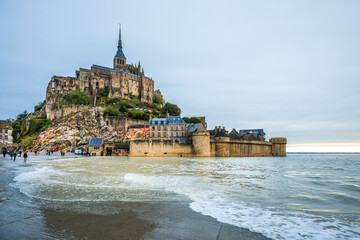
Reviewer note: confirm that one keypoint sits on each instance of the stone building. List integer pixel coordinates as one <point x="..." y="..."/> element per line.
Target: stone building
<point x="5" y="132"/>
<point x="171" y="127"/>
<point x="118" y="80"/>
<point x="96" y="147"/>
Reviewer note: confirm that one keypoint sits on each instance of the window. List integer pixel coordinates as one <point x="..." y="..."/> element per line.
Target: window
<point x="177" y="134"/>
<point x="158" y="134"/>
<point x="153" y="134"/>
<point x="182" y="134"/>
<point x="6" y="131"/>
<point x="156" y="122"/>
<point x="0" y="130"/>
<point x="0" y="136"/>
<point x="177" y="128"/>
<point x="164" y="128"/>
<point x="153" y="128"/>
<point x="6" y="137"/>
<point x="172" y="134"/>
<point x="164" y="134"/>
<point x="172" y="128"/>
<point x="182" y="128"/>
<point x="159" y="129"/>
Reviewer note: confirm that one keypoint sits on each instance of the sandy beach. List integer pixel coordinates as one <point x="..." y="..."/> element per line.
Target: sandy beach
<point x="31" y="218"/>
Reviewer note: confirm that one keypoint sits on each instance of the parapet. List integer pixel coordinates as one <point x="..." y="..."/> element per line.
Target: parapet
<point x="280" y="140"/>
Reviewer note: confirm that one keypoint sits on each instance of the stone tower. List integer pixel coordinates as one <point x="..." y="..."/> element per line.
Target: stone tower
<point x="278" y="146"/>
<point x="120" y="59"/>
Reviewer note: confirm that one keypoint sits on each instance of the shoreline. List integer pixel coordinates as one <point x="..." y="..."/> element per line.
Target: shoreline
<point x="29" y="218"/>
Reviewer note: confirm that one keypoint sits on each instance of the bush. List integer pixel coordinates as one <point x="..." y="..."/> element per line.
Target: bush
<point x="27" y="141"/>
<point x="39" y="106"/>
<point x="77" y="97"/>
<point x="138" y="114"/>
<point x="111" y="111"/>
<point x="113" y="100"/>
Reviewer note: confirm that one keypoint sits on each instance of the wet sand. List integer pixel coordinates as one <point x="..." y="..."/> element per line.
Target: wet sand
<point x="26" y="218"/>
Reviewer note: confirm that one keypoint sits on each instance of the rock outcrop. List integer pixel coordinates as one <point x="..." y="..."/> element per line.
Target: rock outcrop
<point x="76" y="130"/>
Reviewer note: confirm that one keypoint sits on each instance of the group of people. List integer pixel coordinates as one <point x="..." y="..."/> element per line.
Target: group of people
<point x="49" y="152"/>
<point x="14" y="154"/>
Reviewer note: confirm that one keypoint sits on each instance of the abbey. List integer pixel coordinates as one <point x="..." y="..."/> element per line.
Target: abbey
<point x="123" y="80"/>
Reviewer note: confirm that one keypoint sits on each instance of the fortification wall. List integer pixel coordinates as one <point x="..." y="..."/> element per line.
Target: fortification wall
<point x="159" y="148"/>
<point x="202" y="146"/>
<point x="240" y="148"/>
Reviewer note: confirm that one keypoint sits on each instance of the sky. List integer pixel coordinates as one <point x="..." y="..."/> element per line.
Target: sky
<point x="289" y="67"/>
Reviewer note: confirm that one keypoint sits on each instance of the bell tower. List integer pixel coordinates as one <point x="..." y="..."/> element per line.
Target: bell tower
<point x="120" y="59"/>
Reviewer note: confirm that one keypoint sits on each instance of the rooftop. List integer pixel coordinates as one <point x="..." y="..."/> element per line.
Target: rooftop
<point x="95" y="142"/>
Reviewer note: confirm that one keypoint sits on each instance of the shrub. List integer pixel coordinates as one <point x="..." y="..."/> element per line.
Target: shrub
<point x="103" y="94"/>
<point x="138" y="114"/>
<point x="111" y="111"/>
<point x="27" y="141"/>
<point x="77" y="97"/>
<point x="38" y="124"/>
<point x="113" y="100"/>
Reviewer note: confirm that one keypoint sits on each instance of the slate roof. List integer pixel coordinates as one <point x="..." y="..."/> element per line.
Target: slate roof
<point x="120" y="53"/>
<point x="95" y="142"/>
<point x="253" y="131"/>
<point x="101" y="67"/>
<point x="159" y="121"/>
<point x="222" y="133"/>
<point x="176" y="120"/>
<point x="193" y="128"/>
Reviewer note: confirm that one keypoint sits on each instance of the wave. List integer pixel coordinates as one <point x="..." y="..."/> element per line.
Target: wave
<point x="272" y="222"/>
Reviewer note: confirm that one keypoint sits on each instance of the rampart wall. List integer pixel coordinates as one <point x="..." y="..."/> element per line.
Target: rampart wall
<point x="203" y="146"/>
<point x="159" y="148"/>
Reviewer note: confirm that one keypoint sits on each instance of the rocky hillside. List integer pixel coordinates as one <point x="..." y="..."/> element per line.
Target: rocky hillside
<point x="75" y="130"/>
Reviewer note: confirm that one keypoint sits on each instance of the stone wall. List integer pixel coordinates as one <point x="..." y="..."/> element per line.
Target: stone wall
<point x="159" y="148"/>
<point x="53" y="113"/>
<point x="202" y="146"/>
<point x="278" y="146"/>
<point x="122" y="124"/>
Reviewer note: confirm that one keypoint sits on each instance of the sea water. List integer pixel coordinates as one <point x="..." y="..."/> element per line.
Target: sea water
<point x="301" y="196"/>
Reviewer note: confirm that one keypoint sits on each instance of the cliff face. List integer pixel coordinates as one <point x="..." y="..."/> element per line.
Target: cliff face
<point x="76" y="129"/>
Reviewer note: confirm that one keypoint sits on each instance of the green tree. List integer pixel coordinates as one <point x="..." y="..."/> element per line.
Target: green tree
<point x="77" y="97"/>
<point x="192" y="120"/>
<point x="39" y="106"/>
<point x="111" y="111"/>
<point x="172" y="109"/>
<point x="22" y="115"/>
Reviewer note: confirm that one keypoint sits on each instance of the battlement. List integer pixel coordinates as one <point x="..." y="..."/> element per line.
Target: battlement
<point x="278" y="140"/>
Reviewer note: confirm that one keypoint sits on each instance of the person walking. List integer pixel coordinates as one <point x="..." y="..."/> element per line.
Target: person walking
<point x="11" y="155"/>
<point x="4" y="152"/>
<point x="19" y="153"/>
<point x="25" y="157"/>
<point x="15" y="154"/>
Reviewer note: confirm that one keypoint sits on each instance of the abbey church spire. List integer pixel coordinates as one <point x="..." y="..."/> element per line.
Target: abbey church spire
<point x="119" y="59"/>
